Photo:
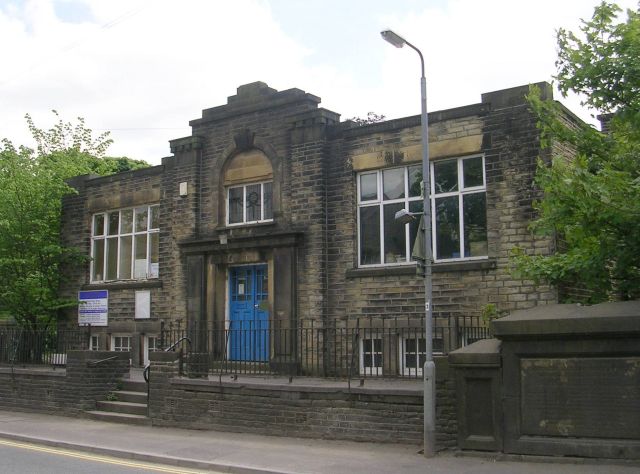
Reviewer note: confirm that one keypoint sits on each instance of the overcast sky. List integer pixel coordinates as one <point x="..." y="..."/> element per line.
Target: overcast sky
<point x="143" y="69"/>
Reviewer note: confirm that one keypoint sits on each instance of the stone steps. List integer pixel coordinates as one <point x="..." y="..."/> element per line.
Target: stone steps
<point x="127" y="405"/>
<point x="117" y="406"/>
<point x="131" y="396"/>
<point x="125" y="418"/>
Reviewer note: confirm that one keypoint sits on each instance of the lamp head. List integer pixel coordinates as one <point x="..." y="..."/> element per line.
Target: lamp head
<point x="390" y="37"/>
<point x="404" y="217"/>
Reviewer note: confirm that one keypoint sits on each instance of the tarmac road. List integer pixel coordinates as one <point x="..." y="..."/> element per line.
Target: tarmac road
<point x="18" y="457"/>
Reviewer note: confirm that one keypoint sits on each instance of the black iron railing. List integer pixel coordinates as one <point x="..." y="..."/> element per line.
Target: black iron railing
<point x="22" y="346"/>
<point x="362" y="347"/>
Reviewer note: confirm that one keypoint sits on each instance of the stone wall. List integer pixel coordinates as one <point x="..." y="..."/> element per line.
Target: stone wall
<point x="99" y="194"/>
<point x="367" y="413"/>
<point x="503" y="129"/>
<point x="311" y="246"/>
<point x="560" y="380"/>
<point x="63" y="391"/>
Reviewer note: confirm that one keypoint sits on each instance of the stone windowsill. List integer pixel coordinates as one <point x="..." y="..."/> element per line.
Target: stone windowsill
<point x="123" y="285"/>
<point x="462" y="266"/>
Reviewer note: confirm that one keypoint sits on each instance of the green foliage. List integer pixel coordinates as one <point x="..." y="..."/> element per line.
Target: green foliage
<point x="490" y="312"/>
<point x="33" y="184"/>
<point x="592" y="200"/>
<point x="372" y="117"/>
<point x="604" y="63"/>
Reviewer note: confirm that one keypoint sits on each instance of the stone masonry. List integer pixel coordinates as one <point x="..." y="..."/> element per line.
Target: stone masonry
<point x="88" y="377"/>
<point x="310" y="247"/>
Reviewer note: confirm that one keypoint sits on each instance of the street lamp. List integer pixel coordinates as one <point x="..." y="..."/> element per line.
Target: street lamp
<point x="429" y="370"/>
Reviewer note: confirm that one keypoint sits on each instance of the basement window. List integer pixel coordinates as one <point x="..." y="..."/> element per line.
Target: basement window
<point x="371" y="355"/>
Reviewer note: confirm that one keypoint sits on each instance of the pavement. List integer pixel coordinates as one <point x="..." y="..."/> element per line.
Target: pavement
<point x="255" y="454"/>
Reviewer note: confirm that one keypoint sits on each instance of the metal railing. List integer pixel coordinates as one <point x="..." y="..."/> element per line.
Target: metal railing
<point x="360" y="347"/>
<point x="22" y="346"/>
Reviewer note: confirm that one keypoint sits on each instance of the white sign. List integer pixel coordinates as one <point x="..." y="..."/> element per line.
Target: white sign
<point x="143" y="305"/>
<point x="93" y="308"/>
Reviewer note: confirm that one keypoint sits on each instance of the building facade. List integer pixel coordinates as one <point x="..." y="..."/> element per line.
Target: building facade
<point x="273" y="213"/>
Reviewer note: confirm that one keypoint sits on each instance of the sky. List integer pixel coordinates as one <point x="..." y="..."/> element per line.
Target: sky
<point x="143" y="68"/>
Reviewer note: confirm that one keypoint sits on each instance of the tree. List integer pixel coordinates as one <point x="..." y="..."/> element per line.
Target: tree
<point x="33" y="184"/>
<point x="591" y="200"/>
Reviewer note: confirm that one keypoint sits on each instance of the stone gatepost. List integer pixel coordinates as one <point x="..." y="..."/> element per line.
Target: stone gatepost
<point x="478" y="388"/>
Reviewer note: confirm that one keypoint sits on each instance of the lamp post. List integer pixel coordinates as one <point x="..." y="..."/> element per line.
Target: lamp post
<point x="429" y="369"/>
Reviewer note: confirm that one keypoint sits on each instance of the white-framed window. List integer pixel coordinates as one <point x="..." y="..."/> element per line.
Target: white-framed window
<point x="382" y="193"/>
<point x="154" y="344"/>
<point x="120" y="343"/>
<point x="125" y="244"/>
<point x="250" y="203"/>
<point x="151" y="344"/>
<point x="412" y="354"/>
<point x="458" y="210"/>
<point x="371" y="358"/>
<point x="94" y="343"/>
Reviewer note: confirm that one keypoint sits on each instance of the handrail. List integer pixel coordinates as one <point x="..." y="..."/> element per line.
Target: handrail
<point x="173" y="346"/>
<point x="93" y="363"/>
<point x="145" y="372"/>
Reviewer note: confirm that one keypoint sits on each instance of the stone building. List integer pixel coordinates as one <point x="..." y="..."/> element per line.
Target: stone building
<point x="274" y="212"/>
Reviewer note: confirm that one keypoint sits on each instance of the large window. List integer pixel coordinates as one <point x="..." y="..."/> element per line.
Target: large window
<point x="125" y="244"/>
<point x="250" y="203"/>
<point x="381" y="194"/>
<point x="458" y="209"/>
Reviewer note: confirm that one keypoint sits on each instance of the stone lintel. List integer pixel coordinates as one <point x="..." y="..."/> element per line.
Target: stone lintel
<point x="413" y="153"/>
<point x="118" y="201"/>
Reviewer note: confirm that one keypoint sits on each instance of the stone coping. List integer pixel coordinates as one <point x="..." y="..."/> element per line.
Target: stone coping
<point x="391" y="387"/>
<point x="484" y="353"/>
<point x="617" y="318"/>
<point x="40" y="371"/>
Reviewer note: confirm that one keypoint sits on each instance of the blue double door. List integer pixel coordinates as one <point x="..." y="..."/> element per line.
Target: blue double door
<point x="249" y="313"/>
